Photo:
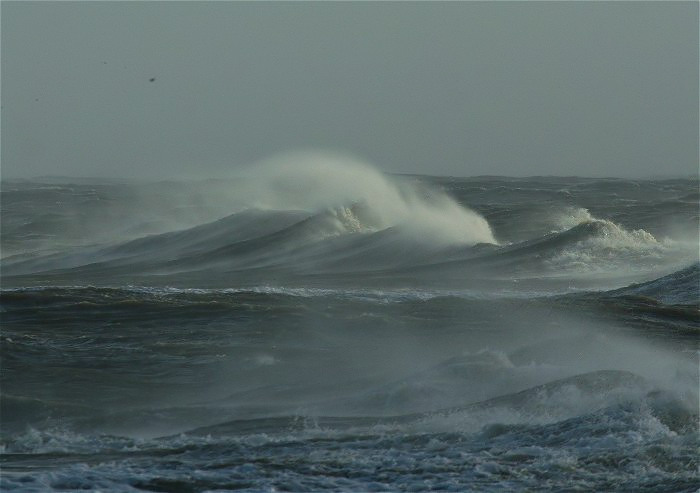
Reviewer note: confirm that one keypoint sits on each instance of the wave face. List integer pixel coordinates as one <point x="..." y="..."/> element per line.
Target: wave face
<point x="678" y="288"/>
<point x="339" y="220"/>
<point x="316" y="325"/>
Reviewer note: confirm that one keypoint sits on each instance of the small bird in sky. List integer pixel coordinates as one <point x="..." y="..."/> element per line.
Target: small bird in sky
<point x="152" y="79"/>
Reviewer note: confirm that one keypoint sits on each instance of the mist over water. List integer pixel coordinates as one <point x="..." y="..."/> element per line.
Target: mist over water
<point x="314" y="324"/>
<point x="204" y="315"/>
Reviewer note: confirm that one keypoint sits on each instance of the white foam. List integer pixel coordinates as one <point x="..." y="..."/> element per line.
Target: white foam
<point x="612" y="246"/>
<point x="362" y="197"/>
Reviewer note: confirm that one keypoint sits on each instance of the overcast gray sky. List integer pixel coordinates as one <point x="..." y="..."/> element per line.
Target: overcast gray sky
<point x="463" y="88"/>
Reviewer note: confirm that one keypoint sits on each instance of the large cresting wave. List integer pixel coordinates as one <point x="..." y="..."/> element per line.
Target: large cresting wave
<point x="362" y="198"/>
<point x="338" y="220"/>
<point x="307" y="213"/>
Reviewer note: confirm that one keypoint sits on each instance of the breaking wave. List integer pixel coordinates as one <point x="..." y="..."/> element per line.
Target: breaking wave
<point x="361" y="198"/>
<point x="353" y="239"/>
<point x="327" y="215"/>
<point x="598" y="244"/>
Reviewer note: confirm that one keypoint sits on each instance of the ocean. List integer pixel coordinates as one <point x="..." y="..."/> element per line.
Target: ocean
<point x="337" y="329"/>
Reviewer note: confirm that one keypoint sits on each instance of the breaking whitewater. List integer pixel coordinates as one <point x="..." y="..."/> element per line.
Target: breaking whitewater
<point x="317" y="325"/>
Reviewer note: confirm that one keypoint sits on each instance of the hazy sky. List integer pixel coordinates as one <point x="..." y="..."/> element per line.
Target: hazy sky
<point x="461" y="88"/>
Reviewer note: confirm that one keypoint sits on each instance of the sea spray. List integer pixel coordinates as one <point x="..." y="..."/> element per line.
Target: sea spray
<point x="314" y="181"/>
<point x="326" y="339"/>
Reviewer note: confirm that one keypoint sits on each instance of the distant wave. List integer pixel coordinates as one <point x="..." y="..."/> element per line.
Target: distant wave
<point x="598" y="244"/>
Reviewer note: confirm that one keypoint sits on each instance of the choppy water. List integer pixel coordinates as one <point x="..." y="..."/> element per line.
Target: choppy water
<point x="383" y="334"/>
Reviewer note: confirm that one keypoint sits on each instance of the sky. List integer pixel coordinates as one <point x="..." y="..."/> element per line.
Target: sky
<point x="164" y="90"/>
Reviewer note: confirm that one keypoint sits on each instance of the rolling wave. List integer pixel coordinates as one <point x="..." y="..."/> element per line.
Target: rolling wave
<point x="590" y="245"/>
<point x="339" y="219"/>
<point x="348" y="240"/>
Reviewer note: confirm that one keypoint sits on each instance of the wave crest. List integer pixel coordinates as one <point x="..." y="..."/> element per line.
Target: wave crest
<point x="362" y="198"/>
<point x="601" y="244"/>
